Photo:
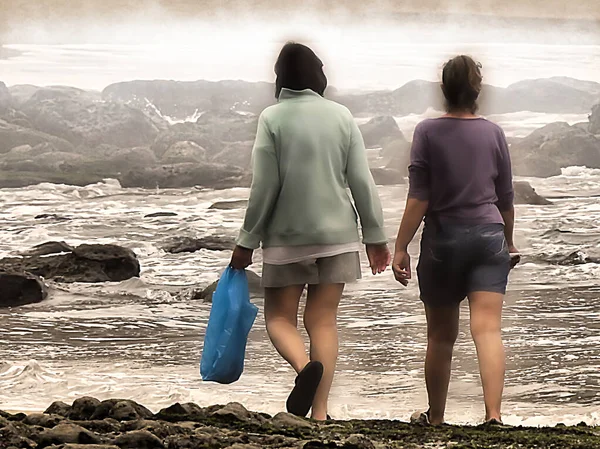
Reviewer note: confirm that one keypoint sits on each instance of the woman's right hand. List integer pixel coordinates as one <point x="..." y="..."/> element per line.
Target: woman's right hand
<point x="379" y="257"/>
<point x="241" y="258"/>
<point x="515" y="256"/>
<point x="401" y="267"/>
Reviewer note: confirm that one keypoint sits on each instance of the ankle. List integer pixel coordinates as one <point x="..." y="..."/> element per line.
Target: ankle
<point x="435" y="418"/>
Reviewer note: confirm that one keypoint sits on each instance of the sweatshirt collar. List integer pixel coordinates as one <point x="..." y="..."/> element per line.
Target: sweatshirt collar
<point x="287" y="94"/>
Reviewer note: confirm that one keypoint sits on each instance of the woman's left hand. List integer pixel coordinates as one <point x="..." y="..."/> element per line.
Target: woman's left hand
<point x="241" y="258"/>
<point x="379" y="257"/>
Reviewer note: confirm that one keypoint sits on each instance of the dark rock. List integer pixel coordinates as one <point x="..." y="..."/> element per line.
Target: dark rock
<point x="181" y="412"/>
<point x="238" y="154"/>
<point x="67" y="433"/>
<point x="254" y="285"/>
<point x="20" y="288"/>
<point x="358" y="442"/>
<point x="157" y="428"/>
<point x="525" y="194"/>
<point x="11" y="437"/>
<point x="83" y="408"/>
<point x="43" y="420"/>
<point x="128" y="159"/>
<point x="192" y="442"/>
<point x="594" y="118"/>
<point x="189" y="245"/>
<point x="187" y="175"/>
<point x="233" y="412"/>
<point x="161" y="214"/>
<point x="387" y="176"/>
<point x="47" y="248"/>
<point x="53" y="217"/>
<point x="181" y="152"/>
<point x="186" y="132"/>
<point x="101" y="426"/>
<point x="78" y="117"/>
<point x="84" y="446"/>
<point x="545" y="151"/>
<point x="379" y="130"/>
<point x="121" y="410"/>
<point x="576" y="258"/>
<point x="12" y="136"/>
<point x="59" y="408"/>
<point x="86" y="263"/>
<point x="230" y="205"/>
<point x="289" y="421"/>
<point x="138" y="439"/>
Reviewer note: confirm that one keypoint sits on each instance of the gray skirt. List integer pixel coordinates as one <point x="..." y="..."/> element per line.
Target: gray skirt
<point x="340" y="269"/>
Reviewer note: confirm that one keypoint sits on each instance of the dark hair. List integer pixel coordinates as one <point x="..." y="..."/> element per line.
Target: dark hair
<point x="299" y="68"/>
<point x="461" y="84"/>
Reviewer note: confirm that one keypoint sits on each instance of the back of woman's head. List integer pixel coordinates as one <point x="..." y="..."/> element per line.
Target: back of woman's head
<point x="299" y="68"/>
<point x="461" y="84"/>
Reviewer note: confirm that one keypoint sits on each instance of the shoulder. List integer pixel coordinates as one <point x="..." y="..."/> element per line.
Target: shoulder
<point x="425" y="126"/>
<point x="493" y="127"/>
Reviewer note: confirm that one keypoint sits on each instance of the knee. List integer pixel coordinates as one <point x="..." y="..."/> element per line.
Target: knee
<point x="443" y="337"/>
<point x="483" y="329"/>
<point x="314" y="322"/>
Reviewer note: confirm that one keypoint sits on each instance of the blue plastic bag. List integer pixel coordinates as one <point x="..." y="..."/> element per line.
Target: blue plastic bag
<point x="231" y="318"/>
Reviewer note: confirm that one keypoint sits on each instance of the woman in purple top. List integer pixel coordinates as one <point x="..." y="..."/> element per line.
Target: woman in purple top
<point x="461" y="184"/>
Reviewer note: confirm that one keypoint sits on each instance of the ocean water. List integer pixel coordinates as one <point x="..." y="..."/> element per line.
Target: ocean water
<point x="140" y="339"/>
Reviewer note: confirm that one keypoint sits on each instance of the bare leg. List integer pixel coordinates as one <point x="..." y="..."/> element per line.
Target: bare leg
<point x="486" y="322"/>
<point x="320" y="320"/>
<point x="281" y="317"/>
<point x="442" y="330"/>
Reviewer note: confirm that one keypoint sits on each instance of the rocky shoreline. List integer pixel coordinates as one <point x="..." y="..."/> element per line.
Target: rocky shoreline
<point x="125" y="424"/>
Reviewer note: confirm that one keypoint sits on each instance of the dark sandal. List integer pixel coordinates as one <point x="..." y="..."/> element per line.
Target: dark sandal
<point x="301" y="398"/>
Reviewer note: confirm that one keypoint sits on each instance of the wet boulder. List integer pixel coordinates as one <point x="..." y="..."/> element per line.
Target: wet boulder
<point x="206" y="294"/>
<point x="67" y="433"/>
<point x="229" y="205"/>
<point x="20" y="288"/>
<point x="526" y="194"/>
<point x="558" y="145"/>
<point x="85" y="263"/>
<point x="190" y="244"/>
<point x="208" y="175"/>
<point x="380" y="130"/>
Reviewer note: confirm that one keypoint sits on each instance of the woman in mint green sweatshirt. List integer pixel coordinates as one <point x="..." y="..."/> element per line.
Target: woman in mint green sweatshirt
<point x="308" y="152"/>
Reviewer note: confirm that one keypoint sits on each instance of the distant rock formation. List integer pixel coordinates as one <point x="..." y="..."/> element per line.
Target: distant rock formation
<point x="379" y="130"/>
<point x="5" y="98"/>
<point x="525" y="194"/>
<point x="595" y="120"/>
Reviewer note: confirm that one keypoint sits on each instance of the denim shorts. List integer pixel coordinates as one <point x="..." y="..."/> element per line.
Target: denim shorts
<point x="457" y="260"/>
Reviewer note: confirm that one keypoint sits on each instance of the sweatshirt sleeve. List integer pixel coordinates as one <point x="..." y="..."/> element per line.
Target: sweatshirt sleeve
<point x="419" y="170"/>
<point x="504" y="181"/>
<point x="264" y="190"/>
<point x="364" y="190"/>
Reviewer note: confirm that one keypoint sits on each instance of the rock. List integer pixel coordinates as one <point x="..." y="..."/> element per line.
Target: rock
<point x="51" y="217"/>
<point x="192" y="442"/>
<point x="86" y="263"/>
<point x="525" y="194"/>
<point x="80" y="118"/>
<point x="594" y="119"/>
<point x="43" y="420"/>
<point x="238" y="154"/>
<point x="67" y="433"/>
<point x="289" y="421"/>
<point x="59" y="408"/>
<point x="379" y="130"/>
<point x="186" y="132"/>
<point x="5" y="98"/>
<point x="183" y="99"/>
<point x="387" y="176"/>
<point x="189" y="245"/>
<point x="10" y="437"/>
<point x="396" y="155"/>
<point x="358" y="441"/>
<point x="557" y="145"/>
<point x="187" y="175"/>
<point x="130" y="158"/>
<point x="229" y="205"/>
<point x="12" y="136"/>
<point x="15" y="179"/>
<point x="20" y="288"/>
<point x="229" y="126"/>
<point x="254" y="285"/>
<point x="138" y="439"/>
<point x="83" y="408"/>
<point x="233" y="412"/>
<point x="121" y="410"/>
<point x="186" y="151"/>
<point x="181" y="412"/>
<point x="85" y="446"/>
<point x="161" y="214"/>
<point x="575" y="258"/>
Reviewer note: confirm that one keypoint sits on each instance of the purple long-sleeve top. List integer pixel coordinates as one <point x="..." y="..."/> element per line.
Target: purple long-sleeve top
<point x="462" y="167"/>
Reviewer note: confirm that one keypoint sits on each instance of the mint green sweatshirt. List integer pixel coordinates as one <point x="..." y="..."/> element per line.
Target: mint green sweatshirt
<point x="308" y="151"/>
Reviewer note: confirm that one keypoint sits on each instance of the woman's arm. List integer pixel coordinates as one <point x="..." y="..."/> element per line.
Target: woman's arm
<point x="263" y="195"/>
<point x="505" y="192"/>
